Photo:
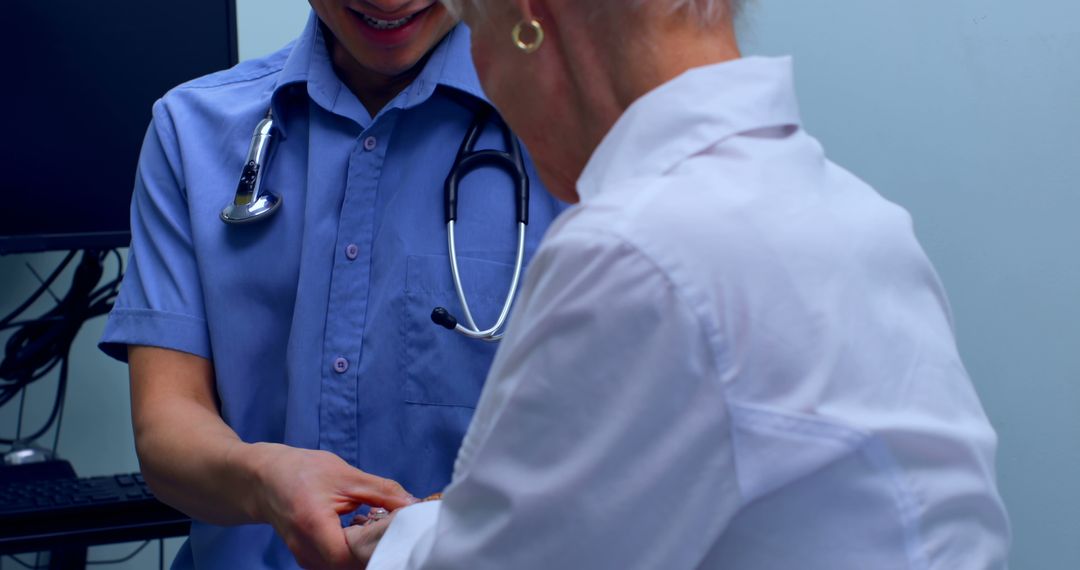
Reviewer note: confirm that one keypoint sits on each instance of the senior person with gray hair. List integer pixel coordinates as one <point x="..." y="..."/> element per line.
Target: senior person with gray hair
<point x="731" y="353"/>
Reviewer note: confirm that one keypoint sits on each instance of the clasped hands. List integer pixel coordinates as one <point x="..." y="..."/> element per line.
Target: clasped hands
<point x="303" y="494"/>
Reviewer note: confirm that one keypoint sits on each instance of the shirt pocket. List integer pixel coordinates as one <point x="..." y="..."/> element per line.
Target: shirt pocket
<point x="443" y="367"/>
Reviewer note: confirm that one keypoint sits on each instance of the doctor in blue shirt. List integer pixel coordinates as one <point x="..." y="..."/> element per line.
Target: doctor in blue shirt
<point x="285" y="372"/>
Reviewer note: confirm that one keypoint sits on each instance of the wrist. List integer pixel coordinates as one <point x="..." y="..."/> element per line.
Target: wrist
<point x="248" y="464"/>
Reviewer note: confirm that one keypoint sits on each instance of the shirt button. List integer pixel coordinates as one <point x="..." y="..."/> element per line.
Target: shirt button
<point x="351" y="251"/>
<point x="341" y="365"/>
<point x="370" y="143"/>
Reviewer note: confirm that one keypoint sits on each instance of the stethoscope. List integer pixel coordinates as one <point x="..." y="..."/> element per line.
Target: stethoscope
<point x="254" y="203"/>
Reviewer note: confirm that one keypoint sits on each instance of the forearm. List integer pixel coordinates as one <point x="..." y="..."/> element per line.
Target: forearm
<point x="189" y="456"/>
<point x="196" y="463"/>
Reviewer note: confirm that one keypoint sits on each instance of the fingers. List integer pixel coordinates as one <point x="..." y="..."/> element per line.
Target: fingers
<point x="307" y="491"/>
<point x="321" y="543"/>
<point x="363" y="540"/>
<point x="376" y="491"/>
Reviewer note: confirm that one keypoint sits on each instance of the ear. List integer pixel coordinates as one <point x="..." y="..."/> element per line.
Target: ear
<point x="524" y="8"/>
<point x="547" y="12"/>
<point x="538" y="9"/>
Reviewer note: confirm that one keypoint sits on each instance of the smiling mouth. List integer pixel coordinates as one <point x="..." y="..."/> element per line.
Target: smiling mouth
<point x="380" y="24"/>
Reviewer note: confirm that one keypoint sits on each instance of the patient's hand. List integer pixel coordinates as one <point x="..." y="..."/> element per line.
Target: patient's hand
<point x="363" y="538"/>
<point x="367" y="530"/>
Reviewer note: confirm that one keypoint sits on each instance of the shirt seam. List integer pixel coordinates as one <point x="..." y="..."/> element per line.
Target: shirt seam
<point x="147" y="312"/>
<point x="251" y="77"/>
<point x="683" y="296"/>
<point x="860" y="442"/>
<point x="169" y="141"/>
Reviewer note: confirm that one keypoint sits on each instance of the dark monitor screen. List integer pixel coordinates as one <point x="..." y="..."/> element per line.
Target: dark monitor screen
<point x="80" y="79"/>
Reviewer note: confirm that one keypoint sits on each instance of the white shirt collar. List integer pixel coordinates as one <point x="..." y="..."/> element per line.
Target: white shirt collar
<point x="689" y="114"/>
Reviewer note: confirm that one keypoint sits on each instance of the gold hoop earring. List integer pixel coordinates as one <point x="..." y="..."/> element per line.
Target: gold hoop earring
<point x="538" y="33"/>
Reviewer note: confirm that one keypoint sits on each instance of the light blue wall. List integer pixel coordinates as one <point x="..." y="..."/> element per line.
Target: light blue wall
<point x="266" y="25"/>
<point x="965" y="112"/>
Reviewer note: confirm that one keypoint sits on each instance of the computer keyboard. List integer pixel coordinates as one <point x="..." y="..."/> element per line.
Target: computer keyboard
<point x="40" y="498"/>
<point x="60" y="509"/>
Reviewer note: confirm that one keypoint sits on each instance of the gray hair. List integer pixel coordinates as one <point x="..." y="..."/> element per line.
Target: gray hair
<point x="705" y="11"/>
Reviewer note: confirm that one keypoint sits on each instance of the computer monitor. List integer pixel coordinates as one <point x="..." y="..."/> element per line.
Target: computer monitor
<point x="80" y="79"/>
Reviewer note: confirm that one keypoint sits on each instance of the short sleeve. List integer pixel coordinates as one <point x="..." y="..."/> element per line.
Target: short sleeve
<point x="160" y="302"/>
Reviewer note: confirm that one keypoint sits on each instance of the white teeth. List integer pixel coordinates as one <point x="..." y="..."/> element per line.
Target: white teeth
<point x="385" y="24"/>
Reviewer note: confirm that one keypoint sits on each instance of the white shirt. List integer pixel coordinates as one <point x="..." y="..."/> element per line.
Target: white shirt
<point x="731" y="354"/>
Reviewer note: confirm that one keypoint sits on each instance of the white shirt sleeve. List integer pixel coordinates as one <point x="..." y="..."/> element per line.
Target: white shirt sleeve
<point x="601" y="439"/>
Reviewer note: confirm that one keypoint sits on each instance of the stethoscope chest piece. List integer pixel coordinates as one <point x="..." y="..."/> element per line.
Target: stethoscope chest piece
<point x="253" y="203"/>
<point x="251" y="211"/>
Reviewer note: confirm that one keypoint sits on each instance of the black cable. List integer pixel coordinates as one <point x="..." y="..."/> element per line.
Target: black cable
<point x="61" y="391"/>
<point x="119" y="560"/>
<point x="18" y="324"/>
<point x="119" y="265"/>
<point x="22" y="405"/>
<point x="40" y="280"/>
<point x="60" y="414"/>
<point x="112" y="288"/>
<point x="41" y="345"/>
<point x="161" y="554"/>
<point x="40" y="290"/>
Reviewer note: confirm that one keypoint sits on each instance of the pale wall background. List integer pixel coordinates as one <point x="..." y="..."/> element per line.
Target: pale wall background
<point x="965" y="112"/>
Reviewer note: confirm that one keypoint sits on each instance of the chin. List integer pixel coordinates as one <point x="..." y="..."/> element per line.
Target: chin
<point x="392" y="67"/>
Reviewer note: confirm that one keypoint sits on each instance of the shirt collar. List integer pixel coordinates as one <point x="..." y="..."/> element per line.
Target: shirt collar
<point x="450" y="66"/>
<point x="309" y="64"/>
<point x="689" y="114"/>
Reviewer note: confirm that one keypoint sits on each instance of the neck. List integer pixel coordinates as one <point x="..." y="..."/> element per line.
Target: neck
<point x="663" y="54"/>
<point x="608" y="76"/>
<point x="373" y="89"/>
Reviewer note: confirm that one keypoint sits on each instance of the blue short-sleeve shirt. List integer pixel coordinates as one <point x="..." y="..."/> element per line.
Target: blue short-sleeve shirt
<point x="317" y="320"/>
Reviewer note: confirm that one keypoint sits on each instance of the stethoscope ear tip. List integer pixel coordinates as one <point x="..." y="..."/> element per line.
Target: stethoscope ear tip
<point x="443" y="318"/>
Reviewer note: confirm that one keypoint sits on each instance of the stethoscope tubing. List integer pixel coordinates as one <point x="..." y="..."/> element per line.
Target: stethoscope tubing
<point x="467" y="160"/>
<point x="253" y="203"/>
<point x="473" y="331"/>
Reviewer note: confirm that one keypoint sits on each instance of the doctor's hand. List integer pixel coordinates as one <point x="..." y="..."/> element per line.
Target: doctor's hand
<point x="303" y="493"/>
